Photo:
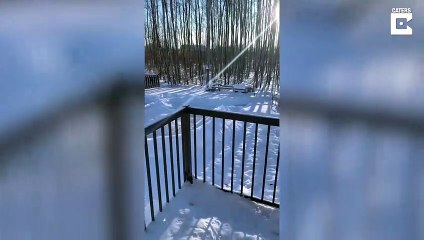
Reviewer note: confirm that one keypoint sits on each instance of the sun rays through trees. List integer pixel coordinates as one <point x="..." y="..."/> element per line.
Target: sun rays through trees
<point x="183" y="37"/>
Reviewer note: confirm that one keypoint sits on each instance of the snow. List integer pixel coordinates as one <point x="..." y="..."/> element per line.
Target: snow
<point x="160" y="102"/>
<point x="201" y="211"/>
<point x="241" y="86"/>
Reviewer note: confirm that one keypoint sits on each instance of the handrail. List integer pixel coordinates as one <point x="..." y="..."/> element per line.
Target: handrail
<point x="266" y="120"/>
<point x="235" y="116"/>
<point x="153" y="126"/>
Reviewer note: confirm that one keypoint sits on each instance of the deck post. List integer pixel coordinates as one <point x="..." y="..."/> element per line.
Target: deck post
<point x="186" y="141"/>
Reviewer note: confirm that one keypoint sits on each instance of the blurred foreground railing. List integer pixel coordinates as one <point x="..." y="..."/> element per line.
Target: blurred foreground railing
<point x="73" y="171"/>
<point x="351" y="171"/>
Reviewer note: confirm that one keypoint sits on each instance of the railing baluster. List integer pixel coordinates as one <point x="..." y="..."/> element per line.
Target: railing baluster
<point x="149" y="179"/>
<point x="266" y="161"/>
<point x="204" y="149"/>
<point x="178" y="153"/>
<point x="223" y="151"/>
<point x="171" y="156"/>
<point x="232" y="160"/>
<point x="155" y="147"/>
<point x="242" y="158"/>
<point x="195" y="146"/>
<point x="213" y="151"/>
<point x="165" y="165"/>
<point x="254" y="159"/>
<point x="276" y="175"/>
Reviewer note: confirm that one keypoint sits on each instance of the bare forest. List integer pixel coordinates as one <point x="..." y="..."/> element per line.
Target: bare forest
<point x="239" y="40"/>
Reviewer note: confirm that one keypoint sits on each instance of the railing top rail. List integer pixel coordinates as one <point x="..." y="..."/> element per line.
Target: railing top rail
<point x="272" y="121"/>
<point x="266" y="120"/>
<point x="153" y="126"/>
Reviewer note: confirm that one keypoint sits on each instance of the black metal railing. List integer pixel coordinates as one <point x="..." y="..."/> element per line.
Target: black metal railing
<point x="151" y="80"/>
<point x="178" y="150"/>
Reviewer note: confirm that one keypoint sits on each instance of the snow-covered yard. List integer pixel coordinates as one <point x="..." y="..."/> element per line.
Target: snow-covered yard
<point x="160" y="102"/>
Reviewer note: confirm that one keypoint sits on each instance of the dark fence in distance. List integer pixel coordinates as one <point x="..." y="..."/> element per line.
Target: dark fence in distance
<point x="183" y="167"/>
<point x="151" y="80"/>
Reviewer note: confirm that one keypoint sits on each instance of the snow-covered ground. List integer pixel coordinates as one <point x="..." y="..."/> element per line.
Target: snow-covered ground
<point x="203" y="212"/>
<point x="160" y="102"/>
